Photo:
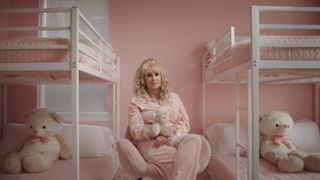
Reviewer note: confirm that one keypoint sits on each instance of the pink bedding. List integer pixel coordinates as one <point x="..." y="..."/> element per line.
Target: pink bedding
<point x="90" y="168"/>
<point x="241" y="51"/>
<point x="221" y="167"/>
<point x="46" y="55"/>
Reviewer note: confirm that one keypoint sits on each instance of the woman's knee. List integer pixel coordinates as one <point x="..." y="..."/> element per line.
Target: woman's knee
<point x="192" y="138"/>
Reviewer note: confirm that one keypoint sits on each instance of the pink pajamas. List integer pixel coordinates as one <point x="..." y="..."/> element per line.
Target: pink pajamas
<point x="174" y="163"/>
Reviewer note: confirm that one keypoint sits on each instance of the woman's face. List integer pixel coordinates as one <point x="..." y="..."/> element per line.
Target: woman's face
<point x="152" y="79"/>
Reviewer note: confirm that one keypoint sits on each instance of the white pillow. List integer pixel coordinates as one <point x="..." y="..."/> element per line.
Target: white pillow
<point x="306" y="135"/>
<point x="94" y="141"/>
<point x="222" y="138"/>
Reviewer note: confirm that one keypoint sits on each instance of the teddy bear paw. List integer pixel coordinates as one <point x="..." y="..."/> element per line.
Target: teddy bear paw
<point x="11" y="164"/>
<point x="291" y="164"/>
<point x="35" y="163"/>
<point x="311" y="162"/>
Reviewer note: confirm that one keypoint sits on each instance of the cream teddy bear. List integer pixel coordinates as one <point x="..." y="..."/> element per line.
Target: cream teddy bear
<point x="162" y="117"/>
<point x="276" y="148"/>
<point x="42" y="148"/>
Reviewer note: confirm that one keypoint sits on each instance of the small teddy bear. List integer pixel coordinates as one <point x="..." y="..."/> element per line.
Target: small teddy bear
<point x="42" y="148"/>
<point x="163" y="118"/>
<point x="276" y="148"/>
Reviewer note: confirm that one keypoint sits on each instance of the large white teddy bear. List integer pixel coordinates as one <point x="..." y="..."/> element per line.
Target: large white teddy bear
<point x="276" y="148"/>
<point x="43" y="146"/>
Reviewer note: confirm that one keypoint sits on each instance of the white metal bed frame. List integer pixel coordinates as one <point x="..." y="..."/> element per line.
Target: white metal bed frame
<point x="74" y="66"/>
<point x="252" y="68"/>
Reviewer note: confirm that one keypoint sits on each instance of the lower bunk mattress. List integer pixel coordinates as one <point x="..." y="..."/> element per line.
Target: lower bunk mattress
<point x="222" y="167"/>
<point x="98" y="159"/>
<point x="98" y="168"/>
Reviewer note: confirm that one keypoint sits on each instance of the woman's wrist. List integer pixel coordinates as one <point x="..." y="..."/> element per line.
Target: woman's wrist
<point x="166" y="131"/>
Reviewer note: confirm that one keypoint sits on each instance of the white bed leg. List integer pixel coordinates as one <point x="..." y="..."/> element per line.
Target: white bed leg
<point x="249" y="101"/>
<point x="116" y="103"/>
<point x="203" y="95"/>
<point x="75" y="93"/>
<point x="238" y="109"/>
<point x="254" y="93"/>
<point x="317" y="103"/>
<point x="4" y="104"/>
<point x="255" y="122"/>
<point x="41" y="96"/>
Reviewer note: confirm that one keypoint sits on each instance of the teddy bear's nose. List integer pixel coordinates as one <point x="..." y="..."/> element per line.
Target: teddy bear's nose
<point x="37" y="131"/>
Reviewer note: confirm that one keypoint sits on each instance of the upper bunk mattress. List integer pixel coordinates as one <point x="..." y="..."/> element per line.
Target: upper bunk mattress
<point x="37" y="55"/>
<point x="241" y="51"/>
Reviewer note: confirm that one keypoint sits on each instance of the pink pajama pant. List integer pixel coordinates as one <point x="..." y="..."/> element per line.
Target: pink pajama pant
<point x="175" y="163"/>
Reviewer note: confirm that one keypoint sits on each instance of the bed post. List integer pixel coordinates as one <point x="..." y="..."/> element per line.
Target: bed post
<point x="4" y="91"/>
<point x="116" y="100"/>
<point x="41" y="96"/>
<point x="253" y="108"/>
<point x="75" y="91"/>
<point x="237" y="123"/>
<point x="317" y="103"/>
<point x="3" y="102"/>
<point x="203" y="94"/>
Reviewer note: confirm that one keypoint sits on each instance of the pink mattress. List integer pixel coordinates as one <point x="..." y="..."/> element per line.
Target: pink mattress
<point x="221" y="167"/>
<point x="90" y="168"/>
<point x="241" y="51"/>
<point x="46" y="55"/>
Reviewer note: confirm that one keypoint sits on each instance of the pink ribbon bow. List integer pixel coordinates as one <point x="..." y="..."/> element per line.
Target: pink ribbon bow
<point x="43" y="139"/>
<point x="281" y="139"/>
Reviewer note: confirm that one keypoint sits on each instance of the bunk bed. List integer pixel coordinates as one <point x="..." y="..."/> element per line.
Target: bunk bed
<point x="253" y="60"/>
<point x="78" y="58"/>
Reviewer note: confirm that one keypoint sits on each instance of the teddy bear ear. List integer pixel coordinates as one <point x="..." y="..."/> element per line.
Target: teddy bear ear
<point x="263" y="115"/>
<point x="56" y="117"/>
<point x="286" y="112"/>
<point x="29" y="112"/>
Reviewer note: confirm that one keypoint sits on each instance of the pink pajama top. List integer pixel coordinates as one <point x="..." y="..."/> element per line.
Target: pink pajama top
<point x="142" y="117"/>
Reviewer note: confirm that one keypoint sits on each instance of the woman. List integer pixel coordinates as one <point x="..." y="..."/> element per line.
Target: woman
<point x="151" y="91"/>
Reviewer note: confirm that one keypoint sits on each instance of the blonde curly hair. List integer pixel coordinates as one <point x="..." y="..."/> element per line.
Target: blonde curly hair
<point x="140" y="87"/>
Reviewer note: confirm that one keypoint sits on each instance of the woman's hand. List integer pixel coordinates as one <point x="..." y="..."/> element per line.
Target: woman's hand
<point x="160" y="140"/>
<point x="166" y="131"/>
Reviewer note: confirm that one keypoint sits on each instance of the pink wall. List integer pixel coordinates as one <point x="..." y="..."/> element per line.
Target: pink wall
<point x="174" y="32"/>
<point x="296" y="99"/>
<point x="4" y="19"/>
<point x="21" y="98"/>
<point x="18" y="19"/>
